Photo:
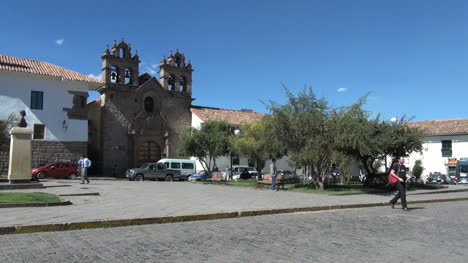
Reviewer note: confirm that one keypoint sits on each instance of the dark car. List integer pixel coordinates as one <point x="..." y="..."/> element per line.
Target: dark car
<point x="437" y="178"/>
<point x="56" y="170"/>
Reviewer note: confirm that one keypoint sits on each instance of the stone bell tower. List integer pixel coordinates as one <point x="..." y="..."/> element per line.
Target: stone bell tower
<point x="175" y="74"/>
<point x="119" y="66"/>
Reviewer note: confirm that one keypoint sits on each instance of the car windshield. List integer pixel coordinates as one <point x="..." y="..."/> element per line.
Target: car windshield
<point x="144" y="165"/>
<point x="464" y="168"/>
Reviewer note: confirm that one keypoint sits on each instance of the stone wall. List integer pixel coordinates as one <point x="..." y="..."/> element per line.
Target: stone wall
<point x="48" y="151"/>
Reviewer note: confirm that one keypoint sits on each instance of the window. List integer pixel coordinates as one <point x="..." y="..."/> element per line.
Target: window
<point x="148" y="104"/>
<point x="235" y="160"/>
<point x="446" y="148"/>
<point x="65" y="165"/>
<point x="39" y="132"/>
<point x="187" y="165"/>
<point x="175" y="165"/>
<point x="37" y="100"/>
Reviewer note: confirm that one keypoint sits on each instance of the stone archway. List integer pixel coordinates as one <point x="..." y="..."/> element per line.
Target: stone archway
<point x="148" y="152"/>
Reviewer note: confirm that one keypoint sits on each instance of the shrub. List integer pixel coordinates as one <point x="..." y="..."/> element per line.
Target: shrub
<point x="418" y="169"/>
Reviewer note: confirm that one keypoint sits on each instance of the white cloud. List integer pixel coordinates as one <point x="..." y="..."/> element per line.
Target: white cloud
<point x="59" y="41"/>
<point x="394" y="119"/>
<point x="95" y="76"/>
<point x="341" y="89"/>
<point x="154" y="66"/>
<point x="151" y="70"/>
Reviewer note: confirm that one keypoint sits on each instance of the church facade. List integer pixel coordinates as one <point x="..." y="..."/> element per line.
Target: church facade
<point x="138" y="118"/>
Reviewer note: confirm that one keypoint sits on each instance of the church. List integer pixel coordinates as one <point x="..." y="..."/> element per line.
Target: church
<point x="138" y="118"/>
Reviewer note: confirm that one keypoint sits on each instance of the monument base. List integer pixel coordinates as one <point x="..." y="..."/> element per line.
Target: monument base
<point x="20" y="181"/>
<point x="16" y="186"/>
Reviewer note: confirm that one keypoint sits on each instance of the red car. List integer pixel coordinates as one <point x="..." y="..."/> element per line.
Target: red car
<point x="57" y="170"/>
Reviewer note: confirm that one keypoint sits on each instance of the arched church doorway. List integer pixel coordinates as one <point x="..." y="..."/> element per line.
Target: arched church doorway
<point x="148" y="152"/>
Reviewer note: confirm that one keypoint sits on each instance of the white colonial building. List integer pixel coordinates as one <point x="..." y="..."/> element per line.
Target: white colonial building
<point x="54" y="99"/>
<point x="444" y="139"/>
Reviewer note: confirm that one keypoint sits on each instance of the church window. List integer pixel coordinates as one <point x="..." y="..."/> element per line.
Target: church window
<point x="177" y="61"/>
<point x="148" y="104"/>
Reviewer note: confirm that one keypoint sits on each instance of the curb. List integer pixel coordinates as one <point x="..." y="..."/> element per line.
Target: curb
<point x="81" y="194"/>
<point x="35" y="204"/>
<point x="186" y="218"/>
<point x="441" y="192"/>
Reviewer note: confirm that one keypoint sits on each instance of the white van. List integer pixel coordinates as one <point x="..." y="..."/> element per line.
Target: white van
<point x="185" y="166"/>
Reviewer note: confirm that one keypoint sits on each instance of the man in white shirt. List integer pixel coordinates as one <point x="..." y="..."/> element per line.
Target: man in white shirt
<point x="84" y="163"/>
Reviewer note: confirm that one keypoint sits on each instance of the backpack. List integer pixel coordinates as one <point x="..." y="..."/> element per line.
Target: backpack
<point x="392" y="179"/>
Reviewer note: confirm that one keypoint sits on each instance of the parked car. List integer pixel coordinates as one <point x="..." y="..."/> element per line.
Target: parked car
<point x="462" y="171"/>
<point x="156" y="171"/>
<point x="197" y="177"/>
<point x="56" y="170"/>
<point x="237" y="170"/>
<point x="437" y="177"/>
<point x="186" y="167"/>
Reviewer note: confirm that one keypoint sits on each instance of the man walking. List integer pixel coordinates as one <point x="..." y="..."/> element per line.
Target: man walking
<point x="273" y="174"/>
<point x="399" y="172"/>
<point x="84" y="163"/>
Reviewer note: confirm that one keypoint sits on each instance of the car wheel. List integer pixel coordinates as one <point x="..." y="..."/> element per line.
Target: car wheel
<point x="41" y="175"/>
<point x="169" y="178"/>
<point x="139" y="178"/>
<point x="72" y="176"/>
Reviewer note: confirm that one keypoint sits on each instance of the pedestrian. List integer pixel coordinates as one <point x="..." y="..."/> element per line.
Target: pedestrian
<point x="399" y="172"/>
<point x="273" y="172"/>
<point x="84" y="163"/>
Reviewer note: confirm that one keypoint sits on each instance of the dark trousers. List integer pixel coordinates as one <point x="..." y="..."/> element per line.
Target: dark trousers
<point x="401" y="187"/>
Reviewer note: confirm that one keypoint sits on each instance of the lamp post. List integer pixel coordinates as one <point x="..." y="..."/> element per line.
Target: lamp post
<point x="236" y="132"/>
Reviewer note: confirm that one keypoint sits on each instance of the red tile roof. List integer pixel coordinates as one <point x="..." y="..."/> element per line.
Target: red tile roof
<point x="9" y="63"/>
<point x="234" y="117"/>
<point x="442" y="127"/>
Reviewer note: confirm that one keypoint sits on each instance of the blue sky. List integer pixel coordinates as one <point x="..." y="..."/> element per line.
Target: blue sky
<point x="413" y="55"/>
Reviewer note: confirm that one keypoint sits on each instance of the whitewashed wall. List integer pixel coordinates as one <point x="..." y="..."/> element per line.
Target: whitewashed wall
<point x="15" y="95"/>
<point x="196" y="121"/>
<point x="431" y="156"/>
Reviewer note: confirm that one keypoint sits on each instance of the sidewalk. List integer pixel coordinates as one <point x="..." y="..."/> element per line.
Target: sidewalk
<point x="118" y="200"/>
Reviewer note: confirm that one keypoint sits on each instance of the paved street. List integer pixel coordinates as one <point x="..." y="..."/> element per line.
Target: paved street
<point x="427" y="233"/>
<point x="124" y="200"/>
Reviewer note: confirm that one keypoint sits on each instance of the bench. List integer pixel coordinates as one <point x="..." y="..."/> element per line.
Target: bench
<point x="216" y="177"/>
<point x="267" y="181"/>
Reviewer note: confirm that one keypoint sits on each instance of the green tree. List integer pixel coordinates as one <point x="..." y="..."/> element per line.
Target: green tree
<point x="418" y="169"/>
<point x="258" y="141"/>
<point x="5" y="127"/>
<point x="206" y="143"/>
<point x="303" y="127"/>
<point x="370" y="140"/>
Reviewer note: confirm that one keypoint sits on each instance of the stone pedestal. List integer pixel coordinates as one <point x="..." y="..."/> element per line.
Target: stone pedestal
<point x="19" y="169"/>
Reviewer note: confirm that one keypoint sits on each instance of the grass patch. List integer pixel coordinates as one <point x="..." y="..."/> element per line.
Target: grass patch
<point x="21" y="198"/>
